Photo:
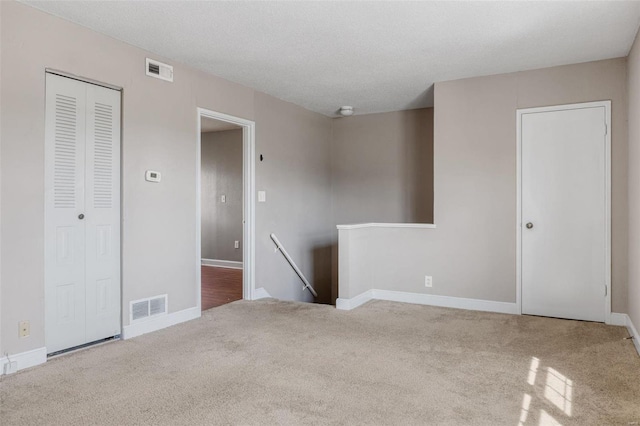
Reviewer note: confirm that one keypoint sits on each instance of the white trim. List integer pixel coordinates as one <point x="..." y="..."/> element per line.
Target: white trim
<point x="231" y="264"/>
<point x="618" y="319"/>
<point x="519" y="212"/>
<point x="634" y="332"/>
<point x="446" y="301"/>
<point x="82" y="79"/>
<point x="25" y="359"/>
<point x="387" y="225"/>
<point x="428" y="299"/>
<point x="249" y="216"/>
<point x="261" y="293"/>
<point x="159" y="322"/>
<point x="519" y="112"/>
<point x="624" y="320"/>
<point x="348" y="304"/>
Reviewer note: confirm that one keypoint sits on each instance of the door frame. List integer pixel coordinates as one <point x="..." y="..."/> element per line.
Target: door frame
<point x="519" y="113"/>
<point x="248" y="189"/>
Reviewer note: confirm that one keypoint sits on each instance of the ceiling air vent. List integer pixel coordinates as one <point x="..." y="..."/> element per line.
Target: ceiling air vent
<point x="159" y="70"/>
<point x="148" y="308"/>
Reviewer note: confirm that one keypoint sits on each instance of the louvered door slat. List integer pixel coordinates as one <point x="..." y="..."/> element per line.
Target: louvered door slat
<point x="65" y="296"/>
<point x="103" y="212"/>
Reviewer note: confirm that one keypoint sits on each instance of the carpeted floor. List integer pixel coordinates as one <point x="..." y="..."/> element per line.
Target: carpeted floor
<point x="271" y="362"/>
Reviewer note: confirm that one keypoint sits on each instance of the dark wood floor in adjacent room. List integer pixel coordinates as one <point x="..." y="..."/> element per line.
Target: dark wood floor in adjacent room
<point x="220" y="286"/>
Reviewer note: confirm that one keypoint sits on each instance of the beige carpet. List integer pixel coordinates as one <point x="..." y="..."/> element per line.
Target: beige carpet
<point x="272" y="362"/>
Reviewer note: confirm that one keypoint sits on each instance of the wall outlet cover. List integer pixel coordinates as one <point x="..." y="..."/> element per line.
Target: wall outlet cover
<point x="24" y="329"/>
<point x="428" y="281"/>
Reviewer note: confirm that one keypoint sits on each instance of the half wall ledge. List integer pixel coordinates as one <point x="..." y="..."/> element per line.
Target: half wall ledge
<point x="387" y="225"/>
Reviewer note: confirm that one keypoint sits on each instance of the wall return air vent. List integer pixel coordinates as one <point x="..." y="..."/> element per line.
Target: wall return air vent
<point x="148" y="308"/>
<point x="159" y="70"/>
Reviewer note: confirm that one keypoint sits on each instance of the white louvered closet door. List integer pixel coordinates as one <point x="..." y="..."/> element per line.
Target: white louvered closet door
<point x="82" y="213"/>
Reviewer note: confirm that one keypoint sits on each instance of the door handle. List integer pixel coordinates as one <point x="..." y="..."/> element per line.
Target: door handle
<point x="529" y="225"/>
<point x="81" y="216"/>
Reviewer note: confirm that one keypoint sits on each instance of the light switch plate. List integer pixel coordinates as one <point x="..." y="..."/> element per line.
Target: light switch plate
<point x="223" y="199"/>
<point x="262" y="196"/>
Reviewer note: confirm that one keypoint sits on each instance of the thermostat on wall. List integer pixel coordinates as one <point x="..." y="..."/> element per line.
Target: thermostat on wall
<point x="152" y="176"/>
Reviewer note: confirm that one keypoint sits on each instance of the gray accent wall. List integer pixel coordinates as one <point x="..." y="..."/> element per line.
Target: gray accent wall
<point x="633" y="76"/>
<point x="221" y="174"/>
<point x="382" y="167"/>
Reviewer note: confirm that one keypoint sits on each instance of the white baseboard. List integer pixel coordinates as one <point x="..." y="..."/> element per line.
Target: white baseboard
<point x="160" y="322"/>
<point x="624" y="320"/>
<point x="361" y="299"/>
<point x="447" y="301"/>
<point x="428" y="299"/>
<point x="222" y="263"/>
<point x="24" y="359"/>
<point x="634" y="332"/>
<point x="618" y="319"/>
<point x="260" y="293"/>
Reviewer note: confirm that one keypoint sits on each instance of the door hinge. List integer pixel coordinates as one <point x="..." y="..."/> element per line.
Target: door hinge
<point x="606" y="129"/>
<point x="605" y="291"/>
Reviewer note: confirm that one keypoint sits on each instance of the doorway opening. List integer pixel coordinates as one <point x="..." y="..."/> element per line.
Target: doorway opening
<point x="225" y="220"/>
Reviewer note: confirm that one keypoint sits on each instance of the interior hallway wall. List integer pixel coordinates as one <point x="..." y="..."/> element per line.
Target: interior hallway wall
<point x="633" y="75"/>
<point x="295" y="173"/>
<point x="221" y="174"/>
<point x="382" y="167"/>
<point x="159" y="133"/>
<point x="381" y="171"/>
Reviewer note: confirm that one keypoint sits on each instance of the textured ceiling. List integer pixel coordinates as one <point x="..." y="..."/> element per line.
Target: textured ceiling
<point x="379" y="56"/>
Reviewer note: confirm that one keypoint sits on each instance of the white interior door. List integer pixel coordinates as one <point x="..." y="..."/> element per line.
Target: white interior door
<point x="82" y="213"/>
<point x="564" y="227"/>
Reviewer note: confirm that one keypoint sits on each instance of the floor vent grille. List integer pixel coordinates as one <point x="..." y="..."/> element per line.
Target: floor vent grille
<point x="147" y="308"/>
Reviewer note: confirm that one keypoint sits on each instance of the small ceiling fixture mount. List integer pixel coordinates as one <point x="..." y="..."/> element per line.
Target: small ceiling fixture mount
<point x="346" y="111"/>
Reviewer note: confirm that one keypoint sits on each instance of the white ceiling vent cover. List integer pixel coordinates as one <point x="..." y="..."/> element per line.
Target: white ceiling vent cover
<point x="159" y="70"/>
<point x="148" y="308"/>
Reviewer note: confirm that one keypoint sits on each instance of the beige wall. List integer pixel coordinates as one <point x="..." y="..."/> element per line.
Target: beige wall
<point x="633" y="75"/>
<point x="472" y="252"/>
<point x="295" y="175"/>
<point x="159" y="133"/>
<point x="382" y="167"/>
<point x="221" y="174"/>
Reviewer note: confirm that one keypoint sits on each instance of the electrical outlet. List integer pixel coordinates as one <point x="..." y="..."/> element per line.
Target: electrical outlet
<point x="24" y="329"/>
<point x="236" y="244"/>
<point x="428" y="281"/>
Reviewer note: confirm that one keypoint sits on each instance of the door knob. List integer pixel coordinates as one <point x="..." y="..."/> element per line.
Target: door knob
<point x="529" y="225"/>
<point x="80" y="216"/>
